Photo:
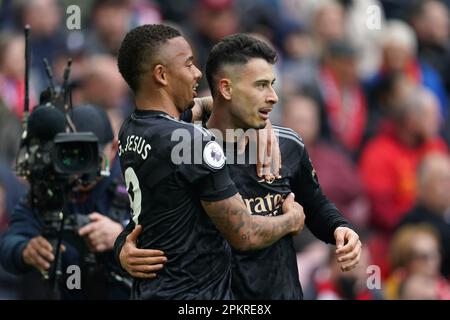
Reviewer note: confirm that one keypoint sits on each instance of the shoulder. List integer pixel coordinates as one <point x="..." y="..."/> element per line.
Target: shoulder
<point x="171" y="125"/>
<point x="192" y="143"/>
<point x="289" y="138"/>
<point x="162" y="131"/>
<point x="292" y="147"/>
<point x="125" y="125"/>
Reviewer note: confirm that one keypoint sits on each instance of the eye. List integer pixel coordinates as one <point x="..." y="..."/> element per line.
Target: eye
<point x="189" y="63"/>
<point x="262" y="85"/>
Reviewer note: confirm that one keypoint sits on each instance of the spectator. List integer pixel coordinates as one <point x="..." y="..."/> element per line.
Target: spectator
<point x="331" y="284"/>
<point x="211" y="20"/>
<point x="362" y="17"/>
<point x="433" y="203"/>
<point x="102" y="85"/>
<point x="384" y="99"/>
<point x="388" y="164"/>
<point x="47" y="37"/>
<point x="12" y="70"/>
<point x="328" y="23"/>
<point x="390" y="159"/>
<point x="418" y="287"/>
<point x="430" y="20"/>
<point x="414" y="250"/>
<point x="111" y="19"/>
<point x="300" y="67"/>
<point x="344" y="100"/>
<point x="399" y="47"/>
<point x="10" y="133"/>
<point x="11" y="189"/>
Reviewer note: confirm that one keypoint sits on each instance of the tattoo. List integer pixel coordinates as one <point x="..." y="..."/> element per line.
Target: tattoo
<point x="246" y="231"/>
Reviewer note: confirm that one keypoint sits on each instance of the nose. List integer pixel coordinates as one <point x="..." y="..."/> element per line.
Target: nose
<point x="272" y="98"/>
<point x="198" y="74"/>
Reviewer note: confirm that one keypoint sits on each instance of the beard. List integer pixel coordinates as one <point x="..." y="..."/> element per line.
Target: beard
<point x="263" y="125"/>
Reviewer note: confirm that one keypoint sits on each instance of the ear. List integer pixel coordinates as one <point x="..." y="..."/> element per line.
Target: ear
<point x="225" y="88"/>
<point x="160" y="74"/>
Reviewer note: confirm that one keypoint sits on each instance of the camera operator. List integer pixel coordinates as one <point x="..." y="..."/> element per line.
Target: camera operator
<point x="99" y="210"/>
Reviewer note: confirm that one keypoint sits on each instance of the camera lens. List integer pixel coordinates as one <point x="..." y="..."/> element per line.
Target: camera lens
<point x="76" y="153"/>
<point x="75" y="157"/>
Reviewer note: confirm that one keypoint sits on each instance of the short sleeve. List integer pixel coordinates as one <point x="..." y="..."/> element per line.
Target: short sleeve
<point x="203" y="166"/>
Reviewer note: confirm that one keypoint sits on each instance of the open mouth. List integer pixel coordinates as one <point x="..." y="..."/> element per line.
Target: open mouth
<point x="194" y="90"/>
<point x="264" y="113"/>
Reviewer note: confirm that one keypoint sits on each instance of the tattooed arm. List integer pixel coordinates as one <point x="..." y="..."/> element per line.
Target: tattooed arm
<point x="249" y="232"/>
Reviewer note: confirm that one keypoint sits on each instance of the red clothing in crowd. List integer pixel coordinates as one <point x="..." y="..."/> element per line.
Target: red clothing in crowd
<point x="328" y="290"/>
<point x="388" y="171"/>
<point x="12" y="93"/>
<point x="346" y="110"/>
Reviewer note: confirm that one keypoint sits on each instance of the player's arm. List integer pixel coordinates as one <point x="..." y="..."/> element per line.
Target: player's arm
<point x="324" y="219"/>
<point x="322" y="216"/>
<point x="139" y="263"/>
<point x="249" y="232"/>
<point x="221" y="201"/>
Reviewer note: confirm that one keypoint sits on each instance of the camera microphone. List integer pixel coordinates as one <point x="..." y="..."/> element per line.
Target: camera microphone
<point x="45" y="122"/>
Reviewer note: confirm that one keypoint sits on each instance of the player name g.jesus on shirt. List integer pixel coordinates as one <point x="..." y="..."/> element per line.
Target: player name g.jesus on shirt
<point x="135" y="144"/>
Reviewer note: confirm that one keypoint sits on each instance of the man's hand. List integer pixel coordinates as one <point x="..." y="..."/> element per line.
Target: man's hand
<point x="101" y="233"/>
<point x="201" y="106"/>
<point x="292" y="207"/>
<point x="140" y="263"/>
<point x="348" y="248"/>
<point x="269" y="156"/>
<point x="39" y="253"/>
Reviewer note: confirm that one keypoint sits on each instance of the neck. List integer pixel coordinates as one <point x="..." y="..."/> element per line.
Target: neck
<point x="221" y="119"/>
<point x="157" y="100"/>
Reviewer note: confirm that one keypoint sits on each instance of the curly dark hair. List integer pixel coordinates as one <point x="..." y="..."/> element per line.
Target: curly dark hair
<point x="139" y="48"/>
<point x="236" y="49"/>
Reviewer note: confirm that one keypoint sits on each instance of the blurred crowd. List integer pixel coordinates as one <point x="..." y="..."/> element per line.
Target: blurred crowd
<point x="365" y="83"/>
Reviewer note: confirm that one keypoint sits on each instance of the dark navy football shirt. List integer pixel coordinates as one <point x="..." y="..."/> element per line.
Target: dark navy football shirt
<point x="272" y="273"/>
<point x="165" y="199"/>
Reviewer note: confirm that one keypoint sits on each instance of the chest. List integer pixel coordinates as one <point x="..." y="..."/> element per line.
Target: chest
<point x="260" y="196"/>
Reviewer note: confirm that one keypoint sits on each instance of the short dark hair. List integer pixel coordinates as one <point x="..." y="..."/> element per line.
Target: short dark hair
<point x="138" y="50"/>
<point x="236" y="49"/>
